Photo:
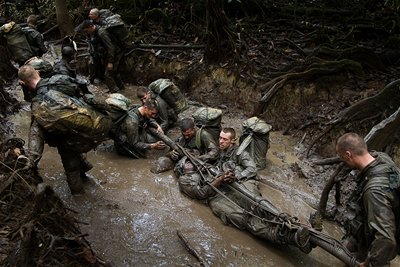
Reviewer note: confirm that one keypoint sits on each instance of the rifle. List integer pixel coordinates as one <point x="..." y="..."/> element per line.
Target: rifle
<point x="324" y="241"/>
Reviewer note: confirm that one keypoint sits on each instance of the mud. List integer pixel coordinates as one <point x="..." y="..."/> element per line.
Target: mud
<point x="132" y="215"/>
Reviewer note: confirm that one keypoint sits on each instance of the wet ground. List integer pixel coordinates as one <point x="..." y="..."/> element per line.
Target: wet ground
<point x="132" y="216"/>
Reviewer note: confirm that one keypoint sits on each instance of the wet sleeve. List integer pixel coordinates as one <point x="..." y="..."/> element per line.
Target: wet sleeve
<point x="40" y="42"/>
<point x="189" y="185"/>
<point x="133" y="137"/>
<point x="162" y="114"/>
<point x="381" y="226"/>
<point x="211" y="148"/>
<point x="111" y="50"/>
<point x="247" y="166"/>
<point x="35" y="142"/>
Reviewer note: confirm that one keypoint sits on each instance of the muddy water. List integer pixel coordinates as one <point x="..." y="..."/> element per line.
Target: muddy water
<point x="132" y="216"/>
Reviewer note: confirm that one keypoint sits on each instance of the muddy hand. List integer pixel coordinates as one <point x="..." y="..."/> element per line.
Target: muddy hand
<point x="159" y="145"/>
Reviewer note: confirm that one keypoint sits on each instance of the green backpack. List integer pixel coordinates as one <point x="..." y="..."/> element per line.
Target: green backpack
<point x="208" y="119"/>
<point x="255" y="140"/>
<point x="168" y="91"/>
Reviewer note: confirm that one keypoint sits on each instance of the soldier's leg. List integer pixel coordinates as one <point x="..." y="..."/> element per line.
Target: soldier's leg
<point x="85" y="166"/>
<point x="228" y="212"/>
<point x="281" y="234"/>
<point x="110" y="82"/>
<point x="71" y="161"/>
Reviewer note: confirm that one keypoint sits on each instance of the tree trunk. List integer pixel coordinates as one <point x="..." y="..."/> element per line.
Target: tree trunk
<point x="63" y="19"/>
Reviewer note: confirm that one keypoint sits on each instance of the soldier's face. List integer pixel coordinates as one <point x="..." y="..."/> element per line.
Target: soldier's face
<point x="225" y="141"/>
<point x="188" y="133"/>
<point x="151" y="112"/>
<point x="93" y="15"/>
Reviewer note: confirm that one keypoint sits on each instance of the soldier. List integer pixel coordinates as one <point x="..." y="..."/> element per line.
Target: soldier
<point x="34" y="38"/>
<point x="166" y="116"/>
<point x="109" y="49"/>
<point x="130" y="135"/>
<point x="62" y="66"/>
<point x="231" y="206"/>
<point x="70" y="150"/>
<point x="245" y="168"/>
<point x="377" y="199"/>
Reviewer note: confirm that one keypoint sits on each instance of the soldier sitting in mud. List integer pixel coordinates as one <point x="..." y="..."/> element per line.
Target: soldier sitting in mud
<point x="130" y="136"/>
<point x="196" y="142"/>
<point x="63" y="65"/>
<point x="166" y="116"/>
<point x="71" y="149"/>
<point x="233" y="206"/>
<point x="34" y="38"/>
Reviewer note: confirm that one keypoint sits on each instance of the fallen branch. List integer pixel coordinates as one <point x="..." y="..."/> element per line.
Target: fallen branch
<point x="191" y="250"/>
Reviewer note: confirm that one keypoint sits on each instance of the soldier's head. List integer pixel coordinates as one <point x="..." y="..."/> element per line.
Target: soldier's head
<point x="188" y="129"/>
<point x="67" y="52"/>
<point x="94" y="14"/>
<point x="88" y="27"/>
<point x="143" y="93"/>
<point x="227" y="138"/>
<point x="32" y="20"/>
<point x="352" y="149"/>
<point x="149" y="109"/>
<point x="28" y="77"/>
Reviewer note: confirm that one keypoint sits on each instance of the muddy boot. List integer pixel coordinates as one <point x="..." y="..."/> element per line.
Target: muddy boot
<point x="75" y="182"/>
<point x="85" y="166"/>
<point x="301" y="239"/>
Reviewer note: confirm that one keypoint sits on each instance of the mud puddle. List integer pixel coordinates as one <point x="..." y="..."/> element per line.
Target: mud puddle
<point x="132" y="216"/>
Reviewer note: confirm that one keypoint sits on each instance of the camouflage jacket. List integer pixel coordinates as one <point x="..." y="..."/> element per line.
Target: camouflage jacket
<point x="245" y="167"/>
<point x="204" y="143"/>
<point x="131" y="133"/>
<point x="62" y="67"/>
<point x="379" y="202"/>
<point x="113" y="50"/>
<point x="35" y="40"/>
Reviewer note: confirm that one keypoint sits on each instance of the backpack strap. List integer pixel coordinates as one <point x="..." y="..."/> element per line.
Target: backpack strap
<point x="198" y="137"/>
<point x="244" y="144"/>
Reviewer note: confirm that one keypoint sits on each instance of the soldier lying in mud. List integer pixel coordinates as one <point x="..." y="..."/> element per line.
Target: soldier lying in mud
<point x="231" y="191"/>
<point x="219" y="188"/>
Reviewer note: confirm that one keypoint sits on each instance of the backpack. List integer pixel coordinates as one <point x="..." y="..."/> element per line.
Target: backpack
<point x="168" y="91"/>
<point x="255" y="140"/>
<point x="208" y="119"/>
<point x="69" y="116"/>
<point x="115" y="26"/>
<point x="17" y="43"/>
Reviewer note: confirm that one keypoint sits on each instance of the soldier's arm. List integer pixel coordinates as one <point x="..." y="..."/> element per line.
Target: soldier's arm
<point x="210" y="146"/>
<point x="189" y="185"/>
<point x="162" y="114"/>
<point x="111" y="50"/>
<point x="248" y="166"/>
<point x="40" y="42"/>
<point x="381" y="226"/>
<point x="132" y="134"/>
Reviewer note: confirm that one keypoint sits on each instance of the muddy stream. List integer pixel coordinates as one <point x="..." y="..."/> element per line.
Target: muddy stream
<point x="132" y="216"/>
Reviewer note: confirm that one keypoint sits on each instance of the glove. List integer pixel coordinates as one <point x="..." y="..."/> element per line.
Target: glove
<point x="175" y="155"/>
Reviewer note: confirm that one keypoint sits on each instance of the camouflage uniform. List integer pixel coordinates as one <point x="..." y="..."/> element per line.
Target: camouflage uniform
<point x="166" y="116"/>
<point x="245" y="168"/>
<point x="74" y="162"/>
<point x="130" y="136"/>
<point x="204" y="143"/>
<point x="377" y="196"/>
<point x="35" y="40"/>
<point x="113" y="55"/>
<point x="63" y="67"/>
<point x="230" y="206"/>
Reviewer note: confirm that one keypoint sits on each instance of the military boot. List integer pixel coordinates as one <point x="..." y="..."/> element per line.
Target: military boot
<point x="301" y="239"/>
<point x="85" y="166"/>
<point x="75" y="182"/>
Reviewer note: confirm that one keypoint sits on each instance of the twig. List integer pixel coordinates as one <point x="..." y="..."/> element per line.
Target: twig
<point x="191" y="250"/>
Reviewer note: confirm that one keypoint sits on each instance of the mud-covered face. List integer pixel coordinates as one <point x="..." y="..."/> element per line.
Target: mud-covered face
<point x="188" y="133"/>
<point x="93" y="15"/>
<point x="225" y="141"/>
